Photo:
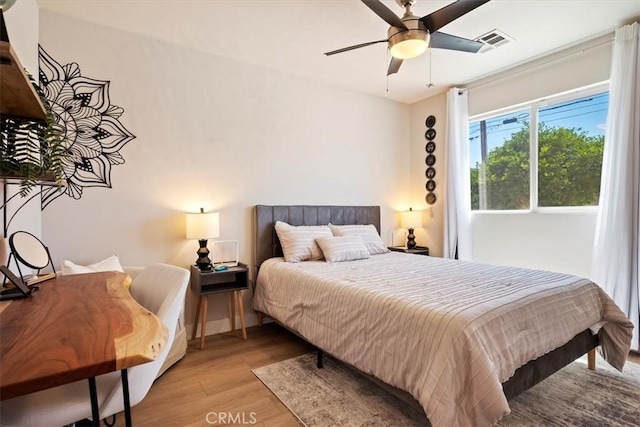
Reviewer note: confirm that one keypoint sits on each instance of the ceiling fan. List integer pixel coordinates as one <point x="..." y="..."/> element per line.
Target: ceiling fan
<point x="410" y="36"/>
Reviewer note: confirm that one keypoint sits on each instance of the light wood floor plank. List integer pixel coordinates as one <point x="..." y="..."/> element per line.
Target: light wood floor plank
<point x="219" y="379"/>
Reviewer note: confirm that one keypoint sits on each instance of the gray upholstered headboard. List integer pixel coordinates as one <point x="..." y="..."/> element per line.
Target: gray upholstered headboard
<point x="267" y="243"/>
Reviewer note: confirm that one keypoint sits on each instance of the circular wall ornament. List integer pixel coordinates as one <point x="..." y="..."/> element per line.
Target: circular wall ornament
<point x="430" y="172"/>
<point x="430" y="147"/>
<point x="430" y="160"/>
<point x="431" y="120"/>
<point x="430" y="198"/>
<point x="431" y="185"/>
<point x="430" y="134"/>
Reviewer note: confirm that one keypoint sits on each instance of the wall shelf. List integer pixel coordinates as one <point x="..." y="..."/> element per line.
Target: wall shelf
<point x="18" y="98"/>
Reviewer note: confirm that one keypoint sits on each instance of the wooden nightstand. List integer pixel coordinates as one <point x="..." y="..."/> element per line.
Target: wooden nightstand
<point x="419" y="250"/>
<point x="205" y="283"/>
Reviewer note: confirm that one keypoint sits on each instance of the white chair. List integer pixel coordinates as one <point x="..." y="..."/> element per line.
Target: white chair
<point x="161" y="289"/>
<point x="179" y="345"/>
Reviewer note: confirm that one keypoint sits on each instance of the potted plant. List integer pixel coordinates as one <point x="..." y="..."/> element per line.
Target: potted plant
<point x="31" y="151"/>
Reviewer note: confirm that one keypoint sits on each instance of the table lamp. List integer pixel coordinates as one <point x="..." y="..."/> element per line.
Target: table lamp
<point x="203" y="226"/>
<point x="411" y="219"/>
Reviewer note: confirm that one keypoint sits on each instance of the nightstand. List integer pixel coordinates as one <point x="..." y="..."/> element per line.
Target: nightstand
<point x="205" y="283"/>
<point x="419" y="250"/>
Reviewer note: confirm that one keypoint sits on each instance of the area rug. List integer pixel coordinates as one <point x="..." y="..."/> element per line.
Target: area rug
<point x="338" y="396"/>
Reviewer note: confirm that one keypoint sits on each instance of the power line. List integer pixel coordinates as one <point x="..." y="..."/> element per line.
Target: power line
<point x="499" y="124"/>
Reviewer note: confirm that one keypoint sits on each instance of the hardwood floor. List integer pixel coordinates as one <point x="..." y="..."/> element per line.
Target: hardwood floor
<point x="218" y="380"/>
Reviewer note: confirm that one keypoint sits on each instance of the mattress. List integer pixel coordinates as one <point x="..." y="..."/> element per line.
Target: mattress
<point x="448" y="332"/>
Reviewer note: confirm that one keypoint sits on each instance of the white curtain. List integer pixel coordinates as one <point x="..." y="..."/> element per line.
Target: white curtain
<point x="615" y="254"/>
<point x="457" y="230"/>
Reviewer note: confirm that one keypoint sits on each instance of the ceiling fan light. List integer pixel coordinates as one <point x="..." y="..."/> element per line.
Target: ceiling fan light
<point x="409" y="44"/>
<point x="408" y="49"/>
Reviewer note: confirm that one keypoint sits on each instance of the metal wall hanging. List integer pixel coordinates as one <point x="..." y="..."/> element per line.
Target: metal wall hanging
<point x="92" y="134"/>
<point x="430" y="160"/>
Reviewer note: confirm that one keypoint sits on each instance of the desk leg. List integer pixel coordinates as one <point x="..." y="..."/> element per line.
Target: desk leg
<point x="125" y="396"/>
<point x="93" y="394"/>
<point x="232" y="310"/>
<point x="203" y="325"/>
<point x="195" y="322"/>
<point x="241" y="308"/>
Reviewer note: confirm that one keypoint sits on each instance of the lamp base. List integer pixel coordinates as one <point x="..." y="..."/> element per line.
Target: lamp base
<point x="411" y="240"/>
<point x="203" y="262"/>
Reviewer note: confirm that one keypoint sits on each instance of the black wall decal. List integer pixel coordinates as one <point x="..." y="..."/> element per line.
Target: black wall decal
<point x="92" y="134"/>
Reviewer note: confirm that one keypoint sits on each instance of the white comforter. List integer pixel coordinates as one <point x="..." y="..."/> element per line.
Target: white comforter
<point x="448" y="332"/>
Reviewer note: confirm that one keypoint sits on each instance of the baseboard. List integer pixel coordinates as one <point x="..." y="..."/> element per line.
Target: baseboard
<point x="224" y="325"/>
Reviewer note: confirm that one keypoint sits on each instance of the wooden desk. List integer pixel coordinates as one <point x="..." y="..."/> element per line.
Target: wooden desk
<point x="74" y="328"/>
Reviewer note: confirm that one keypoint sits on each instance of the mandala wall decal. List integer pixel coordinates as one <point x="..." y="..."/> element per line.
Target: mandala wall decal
<point x="92" y="134"/>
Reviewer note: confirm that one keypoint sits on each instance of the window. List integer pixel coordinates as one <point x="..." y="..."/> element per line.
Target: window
<point x="544" y="154"/>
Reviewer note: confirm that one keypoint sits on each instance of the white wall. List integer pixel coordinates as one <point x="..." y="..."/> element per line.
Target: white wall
<point x="552" y="241"/>
<point x="223" y="135"/>
<point x="559" y="241"/>
<point x="579" y="66"/>
<point x="431" y="235"/>
<point x="22" y="28"/>
<point x="549" y="241"/>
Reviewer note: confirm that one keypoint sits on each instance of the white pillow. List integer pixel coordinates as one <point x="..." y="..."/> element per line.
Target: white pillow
<point x="368" y="233"/>
<point x="298" y="243"/>
<point x="344" y="248"/>
<point x="110" y="264"/>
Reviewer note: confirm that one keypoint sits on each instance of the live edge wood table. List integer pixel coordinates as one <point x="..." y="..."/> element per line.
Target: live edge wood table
<point x="75" y="328"/>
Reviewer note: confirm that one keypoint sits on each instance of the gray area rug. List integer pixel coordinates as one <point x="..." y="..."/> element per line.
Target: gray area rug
<point x="338" y="396"/>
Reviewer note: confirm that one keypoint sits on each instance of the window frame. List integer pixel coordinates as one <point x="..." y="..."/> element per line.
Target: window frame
<point x="533" y="108"/>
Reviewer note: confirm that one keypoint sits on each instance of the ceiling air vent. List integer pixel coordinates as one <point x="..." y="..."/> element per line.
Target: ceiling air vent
<point x="493" y="40"/>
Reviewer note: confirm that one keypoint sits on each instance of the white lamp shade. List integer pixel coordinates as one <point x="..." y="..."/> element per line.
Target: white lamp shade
<point x="203" y="225"/>
<point x="411" y="219"/>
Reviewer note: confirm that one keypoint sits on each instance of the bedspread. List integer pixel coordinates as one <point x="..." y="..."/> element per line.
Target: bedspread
<point x="448" y="332"/>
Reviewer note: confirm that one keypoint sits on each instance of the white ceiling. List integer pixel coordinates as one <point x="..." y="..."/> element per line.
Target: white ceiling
<point x="291" y="35"/>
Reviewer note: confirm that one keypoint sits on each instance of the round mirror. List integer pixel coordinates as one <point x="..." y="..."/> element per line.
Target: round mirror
<point x="6" y="4"/>
<point x="29" y="250"/>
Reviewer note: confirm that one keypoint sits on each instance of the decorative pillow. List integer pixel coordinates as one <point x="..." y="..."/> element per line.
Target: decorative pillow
<point x="368" y="233"/>
<point x="298" y="243"/>
<point x="110" y="264"/>
<point x="344" y="248"/>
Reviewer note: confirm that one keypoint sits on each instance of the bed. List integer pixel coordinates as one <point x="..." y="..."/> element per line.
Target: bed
<point x="505" y="329"/>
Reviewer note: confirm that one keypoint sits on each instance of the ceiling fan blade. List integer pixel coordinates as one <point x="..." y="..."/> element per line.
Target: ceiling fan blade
<point x="447" y="41"/>
<point x="441" y="17"/>
<point x="358" y="46"/>
<point x="394" y="66"/>
<point x="385" y="13"/>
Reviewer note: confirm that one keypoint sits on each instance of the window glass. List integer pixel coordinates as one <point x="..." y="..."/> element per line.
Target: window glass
<point x="499" y="150"/>
<point x="570" y="144"/>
